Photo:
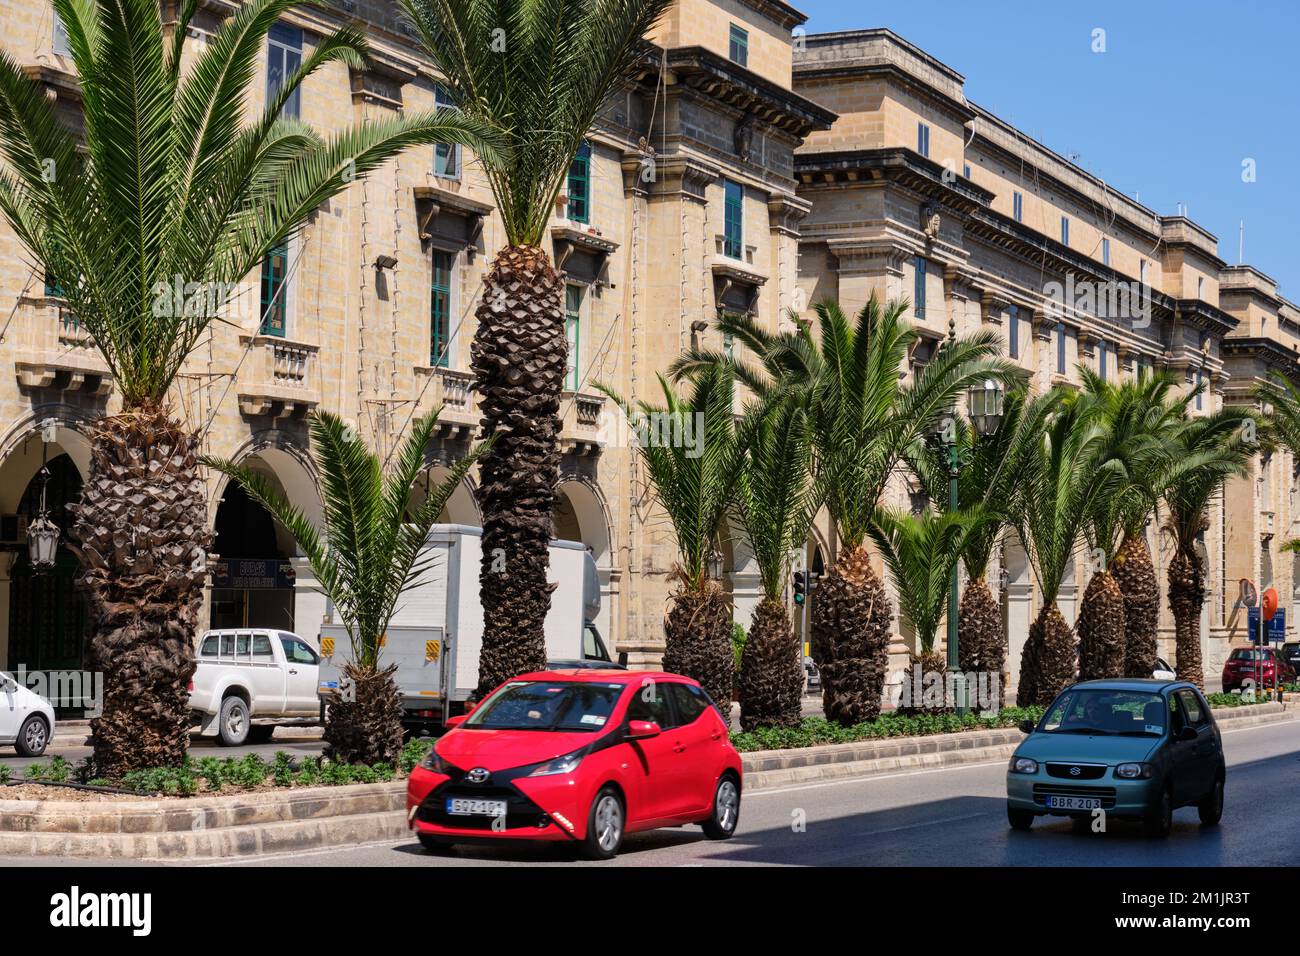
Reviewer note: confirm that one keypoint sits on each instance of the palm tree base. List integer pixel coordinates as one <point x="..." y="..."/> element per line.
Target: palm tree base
<point x="140" y="532"/>
<point x="1136" y="577"/>
<point x="697" y="635"/>
<point x="982" y="648"/>
<point x="1101" y="629"/>
<point x="367" y="728"/>
<point x="1047" y="663"/>
<point x="771" y="671"/>
<point x="851" y="630"/>
<point x="1186" y="598"/>
<point x="923" y="695"/>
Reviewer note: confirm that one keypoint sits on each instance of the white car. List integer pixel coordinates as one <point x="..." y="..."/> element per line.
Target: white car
<point x="26" y="718"/>
<point x="1163" y="671"/>
<point x="249" y="680"/>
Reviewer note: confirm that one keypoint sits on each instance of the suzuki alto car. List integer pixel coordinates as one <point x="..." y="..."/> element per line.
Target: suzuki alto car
<point x="579" y="756"/>
<point x="1133" y="748"/>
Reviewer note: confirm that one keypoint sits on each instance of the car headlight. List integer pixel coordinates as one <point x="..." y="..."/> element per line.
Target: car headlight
<point x="566" y="764"/>
<point x="1133" y="771"/>
<point x="1023" y="765"/>
<point x="435" y="763"/>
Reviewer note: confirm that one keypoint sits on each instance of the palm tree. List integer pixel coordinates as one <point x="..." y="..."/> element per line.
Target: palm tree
<point x="164" y="180"/>
<point x="990" y="479"/>
<point x="368" y="554"/>
<point x="776" y="505"/>
<point x="538" y="72"/>
<point x="1216" y="447"/>
<point x="864" y="418"/>
<point x="690" y="450"/>
<point x="1120" y="614"/>
<point x="921" y="552"/>
<point x="1064" y="481"/>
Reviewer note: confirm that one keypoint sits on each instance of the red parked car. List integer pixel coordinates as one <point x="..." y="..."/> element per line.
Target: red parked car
<point x="580" y="756"/>
<point x="1262" y="665"/>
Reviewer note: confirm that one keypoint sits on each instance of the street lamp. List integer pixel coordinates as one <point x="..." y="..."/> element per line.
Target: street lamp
<point x="42" y="533"/>
<point x="714" y="559"/>
<point x="984" y="407"/>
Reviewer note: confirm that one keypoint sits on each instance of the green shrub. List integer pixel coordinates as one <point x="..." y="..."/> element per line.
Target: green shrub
<point x="35" y="771"/>
<point x="738" y="638"/>
<point x="6" y="772"/>
<point x="413" y="753"/>
<point x="282" y="770"/>
<point x="814" y="731"/>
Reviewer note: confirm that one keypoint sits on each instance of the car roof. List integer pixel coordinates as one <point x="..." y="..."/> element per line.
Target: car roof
<point x="1148" y="684"/>
<point x="604" y="676"/>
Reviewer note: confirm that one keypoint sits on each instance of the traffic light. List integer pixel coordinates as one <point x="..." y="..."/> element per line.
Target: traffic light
<point x="798" y="587"/>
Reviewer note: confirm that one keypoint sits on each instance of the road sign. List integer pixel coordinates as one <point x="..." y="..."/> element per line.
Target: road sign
<point x="1252" y="624"/>
<point x="1277" y="627"/>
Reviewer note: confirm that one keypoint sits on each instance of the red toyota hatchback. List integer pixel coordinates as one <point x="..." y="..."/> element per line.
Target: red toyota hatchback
<point x="581" y="756"/>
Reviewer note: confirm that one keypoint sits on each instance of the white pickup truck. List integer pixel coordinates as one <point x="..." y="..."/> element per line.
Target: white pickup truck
<point x="251" y="680"/>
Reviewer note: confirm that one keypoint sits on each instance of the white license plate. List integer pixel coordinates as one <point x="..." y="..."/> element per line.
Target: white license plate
<point x="1074" y="803"/>
<point x="459" y="807"/>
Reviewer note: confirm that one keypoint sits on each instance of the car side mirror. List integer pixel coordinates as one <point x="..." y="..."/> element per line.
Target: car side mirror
<point x="642" y="729"/>
<point x="622" y="658"/>
<point x="1187" y="734"/>
<point x="1027" y="726"/>
<point x="457" y="720"/>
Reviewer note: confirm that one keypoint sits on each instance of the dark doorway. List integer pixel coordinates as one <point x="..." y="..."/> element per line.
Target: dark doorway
<point x="252" y="583"/>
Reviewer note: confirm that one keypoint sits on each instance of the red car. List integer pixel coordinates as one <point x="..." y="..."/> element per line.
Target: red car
<point x="1261" y="665"/>
<point x="579" y="756"/>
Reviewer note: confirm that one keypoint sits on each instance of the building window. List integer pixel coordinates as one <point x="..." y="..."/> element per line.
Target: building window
<point x="275" y="291"/>
<point x="283" y="57"/>
<point x="1142" y="272"/>
<point x="919" y="291"/>
<point x="1060" y="348"/>
<point x="738" y="48"/>
<point x="572" y="334"/>
<point x="1105" y="251"/>
<point x="965" y="170"/>
<point x="1065" y="231"/>
<point x="60" y="41"/>
<point x="578" y="207"/>
<point x="1013" y="331"/>
<point x="733" y="218"/>
<point x="446" y="156"/>
<point x="440" y="310"/>
<point x="1200" y="392"/>
<point x="923" y="139"/>
<point x="1200" y="289"/>
<point x="1101" y="359"/>
<point x="1017" y="207"/>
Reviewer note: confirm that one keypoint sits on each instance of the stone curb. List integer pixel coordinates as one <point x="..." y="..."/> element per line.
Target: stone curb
<point x="245" y="825"/>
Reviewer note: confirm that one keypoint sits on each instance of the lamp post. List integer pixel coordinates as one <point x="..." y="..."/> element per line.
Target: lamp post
<point x="984" y="405"/>
<point x="42" y="533"/>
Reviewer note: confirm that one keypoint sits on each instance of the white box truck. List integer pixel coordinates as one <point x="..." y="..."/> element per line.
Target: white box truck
<point x="437" y="631"/>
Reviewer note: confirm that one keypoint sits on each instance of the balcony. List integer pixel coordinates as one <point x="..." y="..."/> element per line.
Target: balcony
<point x="453" y="391"/>
<point x="53" y="350"/>
<point x="1266" y="519"/>
<point x="280" y="378"/>
<point x="581" y="425"/>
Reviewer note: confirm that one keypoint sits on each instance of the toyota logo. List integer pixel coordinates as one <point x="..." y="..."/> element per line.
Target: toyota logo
<point x="1075" y="771"/>
<point x="478" y="775"/>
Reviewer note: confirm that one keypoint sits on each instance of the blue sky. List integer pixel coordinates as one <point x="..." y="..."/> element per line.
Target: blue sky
<point x="1183" y="94"/>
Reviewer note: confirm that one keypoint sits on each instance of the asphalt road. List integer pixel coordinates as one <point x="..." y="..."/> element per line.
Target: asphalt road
<point x="949" y="817"/>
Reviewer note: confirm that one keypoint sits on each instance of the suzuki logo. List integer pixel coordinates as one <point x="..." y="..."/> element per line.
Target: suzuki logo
<point x="478" y="775"/>
<point x="1075" y="771"/>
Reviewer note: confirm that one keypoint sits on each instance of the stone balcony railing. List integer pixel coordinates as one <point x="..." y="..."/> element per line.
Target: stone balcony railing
<point x="452" y="390"/>
<point x="279" y="377"/>
<point x="53" y="350"/>
<point x="581" y="424"/>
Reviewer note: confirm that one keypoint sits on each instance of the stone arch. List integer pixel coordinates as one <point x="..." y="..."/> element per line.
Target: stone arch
<point x="461" y="508"/>
<point x="581" y="513"/>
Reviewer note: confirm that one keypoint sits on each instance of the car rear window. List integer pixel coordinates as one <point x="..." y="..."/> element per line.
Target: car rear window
<point x="1091" y="710"/>
<point x="547" y="705"/>
<point x="1248" y="654"/>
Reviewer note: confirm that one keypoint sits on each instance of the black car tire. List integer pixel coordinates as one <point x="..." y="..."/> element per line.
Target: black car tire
<point x="607" y="811"/>
<point x="434" y="845"/>
<point x="1019" y="819"/>
<point x="1211" y="806"/>
<point x="232" y="722"/>
<point x="1159" y="821"/>
<point x="722" y="821"/>
<point x="33" y="737"/>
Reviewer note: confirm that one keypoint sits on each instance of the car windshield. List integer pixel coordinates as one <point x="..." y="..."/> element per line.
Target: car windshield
<point x="547" y="705"/>
<point x="1087" y="710"/>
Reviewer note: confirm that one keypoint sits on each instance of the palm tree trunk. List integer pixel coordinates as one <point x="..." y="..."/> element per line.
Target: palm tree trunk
<point x="141" y="534"/>
<point x="1136" y="577"/>
<point x="1047" y="664"/>
<point x="365" y="725"/>
<point x="697" y="633"/>
<point x="851" y="630"/>
<point x="925" y="684"/>
<point x="1186" y="596"/>
<point x="771" y="670"/>
<point x="1101" y="629"/>
<point x="518" y="357"/>
<point x="982" y="647"/>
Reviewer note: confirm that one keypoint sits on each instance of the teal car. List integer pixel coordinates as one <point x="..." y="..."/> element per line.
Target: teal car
<point x="1133" y="749"/>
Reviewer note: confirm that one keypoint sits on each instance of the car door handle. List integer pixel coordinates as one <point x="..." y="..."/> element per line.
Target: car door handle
<point x="678" y="748"/>
<point x="717" y="735"/>
<point x="292" y="671"/>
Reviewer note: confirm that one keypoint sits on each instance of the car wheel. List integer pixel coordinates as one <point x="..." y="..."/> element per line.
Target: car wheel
<point x="260" y="734"/>
<point x="434" y="845"/>
<point x="721" y="823"/>
<point x="1160" y="820"/>
<point x="1019" y="819"/>
<point x="33" y="737"/>
<point x="1211" y="806"/>
<point x="232" y="723"/>
<point x="605" y="826"/>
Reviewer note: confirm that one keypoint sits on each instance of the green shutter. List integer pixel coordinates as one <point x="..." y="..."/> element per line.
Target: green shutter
<point x="572" y="334"/>
<point x="440" y="311"/>
<point x="733" y="219"/>
<point x="579" y="185"/>
<point x="275" y="272"/>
